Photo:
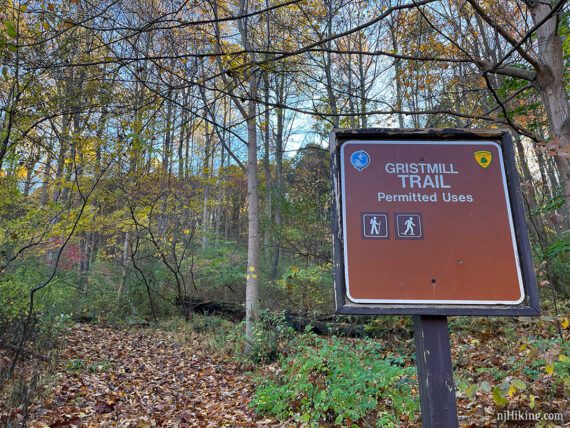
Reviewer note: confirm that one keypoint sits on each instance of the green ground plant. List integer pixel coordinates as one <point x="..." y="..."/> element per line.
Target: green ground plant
<point x="271" y="337"/>
<point x="326" y="380"/>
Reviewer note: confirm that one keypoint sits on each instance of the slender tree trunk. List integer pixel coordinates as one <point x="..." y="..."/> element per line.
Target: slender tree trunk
<point x="547" y="184"/>
<point x="351" y="91"/>
<point x="181" y="151"/>
<point x="267" y="171"/>
<point x="221" y="191"/>
<point x="251" y="285"/>
<point x="45" y="179"/>
<point x="252" y="292"/>
<point x="84" y="257"/>
<point x="536" y="222"/>
<point x="206" y="201"/>
<point x="31" y="164"/>
<point x="189" y="154"/>
<point x="362" y="75"/>
<point x="330" y="89"/>
<point x="398" y="79"/>
<point x="553" y="174"/>
<point x="328" y="70"/>
<point x="63" y="142"/>
<point x="250" y="115"/>
<point x="229" y="211"/>
<point x="167" y="147"/>
<point x="124" y="270"/>
<point x="278" y="178"/>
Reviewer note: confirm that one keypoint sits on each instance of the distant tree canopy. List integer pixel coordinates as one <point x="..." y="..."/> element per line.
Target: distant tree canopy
<point x="150" y="148"/>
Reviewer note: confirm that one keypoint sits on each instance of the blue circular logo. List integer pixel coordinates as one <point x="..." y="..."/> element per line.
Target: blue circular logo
<point x="360" y="160"/>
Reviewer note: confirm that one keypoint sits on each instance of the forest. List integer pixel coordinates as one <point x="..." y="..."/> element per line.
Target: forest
<point x="166" y="197"/>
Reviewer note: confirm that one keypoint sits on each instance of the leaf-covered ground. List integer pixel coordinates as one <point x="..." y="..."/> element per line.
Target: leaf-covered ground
<point x="517" y="365"/>
<point x="117" y="378"/>
<point x="107" y="377"/>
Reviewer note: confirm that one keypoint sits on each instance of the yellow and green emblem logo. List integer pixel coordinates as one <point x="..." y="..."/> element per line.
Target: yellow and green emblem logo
<point x="483" y="158"/>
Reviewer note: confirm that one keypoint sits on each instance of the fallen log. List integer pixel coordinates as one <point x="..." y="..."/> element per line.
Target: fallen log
<point x="228" y="310"/>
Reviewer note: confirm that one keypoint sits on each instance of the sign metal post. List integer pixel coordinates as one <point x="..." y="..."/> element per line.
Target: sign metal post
<point x="430" y="223"/>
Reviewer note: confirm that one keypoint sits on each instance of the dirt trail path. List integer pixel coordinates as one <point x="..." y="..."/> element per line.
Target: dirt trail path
<point x="119" y="378"/>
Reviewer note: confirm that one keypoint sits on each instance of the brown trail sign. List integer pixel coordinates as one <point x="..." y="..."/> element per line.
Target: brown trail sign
<point x="430" y="223"/>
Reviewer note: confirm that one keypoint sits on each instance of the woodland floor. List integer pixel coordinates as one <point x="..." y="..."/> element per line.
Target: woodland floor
<point x="110" y="377"/>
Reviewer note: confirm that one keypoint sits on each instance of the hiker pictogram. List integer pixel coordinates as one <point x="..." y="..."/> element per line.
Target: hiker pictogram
<point x="375" y="225"/>
<point x="409" y="226"/>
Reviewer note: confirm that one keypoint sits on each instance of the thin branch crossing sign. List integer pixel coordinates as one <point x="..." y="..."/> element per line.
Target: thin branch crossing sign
<point x="429" y="222"/>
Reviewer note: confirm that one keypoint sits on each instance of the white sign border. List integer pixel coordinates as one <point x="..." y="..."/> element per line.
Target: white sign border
<point x="509" y="214"/>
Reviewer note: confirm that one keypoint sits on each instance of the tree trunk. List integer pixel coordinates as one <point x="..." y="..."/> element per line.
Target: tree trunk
<point x="547" y="185"/>
<point x="250" y="115"/>
<point x="278" y="181"/>
<point x="31" y="164"/>
<point x="46" y="176"/>
<point x="351" y="91"/>
<point x="330" y="90"/>
<point x="267" y="171"/>
<point x="397" y="78"/>
<point x="251" y="292"/>
<point x="221" y="191"/>
<point x="362" y="73"/>
<point x="550" y="85"/>
<point x="206" y="178"/>
<point x="328" y="71"/>
<point x="181" y="149"/>
<point x="167" y="148"/>
<point x="527" y="184"/>
<point x="63" y="142"/>
<point x="84" y="258"/>
<point x="124" y="270"/>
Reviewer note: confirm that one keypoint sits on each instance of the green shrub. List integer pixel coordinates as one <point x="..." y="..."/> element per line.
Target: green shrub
<point x="271" y="334"/>
<point x="15" y="289"/>
<point x="13" y="298"/>
<point x="327" y="380"/>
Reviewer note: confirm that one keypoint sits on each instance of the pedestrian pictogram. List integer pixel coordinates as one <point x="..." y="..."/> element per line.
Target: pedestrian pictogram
<point x="483" y="158"/>
<point x="409" y="226"/>
<point x="375" y="226"/>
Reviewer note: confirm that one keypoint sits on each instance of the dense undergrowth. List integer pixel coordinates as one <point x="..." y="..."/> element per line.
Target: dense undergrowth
<point x="499" y="364"/>
<point x="301" y="377"/>
<point x="307" y="379"/>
